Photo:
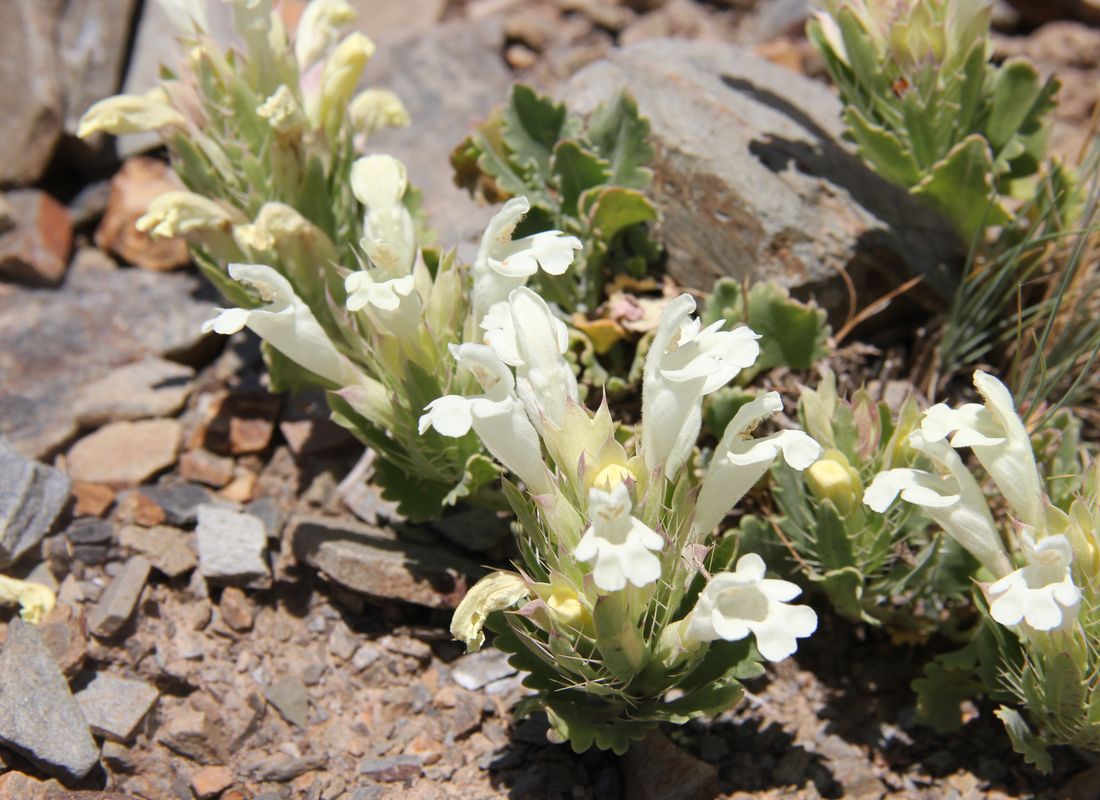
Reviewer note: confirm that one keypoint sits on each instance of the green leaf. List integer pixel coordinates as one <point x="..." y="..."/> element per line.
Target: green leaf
<point x="1024" y="742"/>
<point x="621" y="135"/>
<point x="577" y="170"/>
<point x="844" y="588"/>
<point x="834" y="548"/>
<point x="940" y="693"/>
<point x="1015" y="90"/>
<point x="1064" y="689"/>
<point x="612" y="209"/>
<point x="882" y="150"/>
<point x="532" y="125"/>
<point x="961" y="186"/>
<point x="619" y="640"/>
<point x="480" y="471"/>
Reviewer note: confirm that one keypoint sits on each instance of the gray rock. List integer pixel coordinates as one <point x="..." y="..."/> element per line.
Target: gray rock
<point x="31" y="497"/>
<point x="656" y="768"/>
<point x="152" y="387"/>
<point x="169" y="550"/>
<point x="38" y="716"/>
<point x="90" y="540"/>
<point x="95" y="321"/>
<point x="375" y="562"/>
<point x="232" y="547"/>
<point x="477" y="529"/>
<point x="449" y="78"/>
<point x="392" y="768"/>
<point x="479" y="669"/>
<point x="93" y="38"/>
<point x="117" y="604"/>
<point x="751" y="179"/>
<point x="30" y="92"/>
<point x="180" y="501"/>
<point x="290" y="698"/>
<point x="115" y="706"/>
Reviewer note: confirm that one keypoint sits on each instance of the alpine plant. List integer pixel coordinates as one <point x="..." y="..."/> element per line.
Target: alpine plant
<point x="1039" y="580"/>
<point x="315" y="243"/>
<point x="626" y="609"/>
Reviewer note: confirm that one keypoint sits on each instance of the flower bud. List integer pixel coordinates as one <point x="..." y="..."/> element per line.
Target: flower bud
<point x="131" y="113"/>
<point x="179" y="213"/>
<point x="834" y="479"/>
<point x="374" y="109"/>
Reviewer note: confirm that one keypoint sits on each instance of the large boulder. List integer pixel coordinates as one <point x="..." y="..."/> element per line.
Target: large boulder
<point x="753" y="181"/>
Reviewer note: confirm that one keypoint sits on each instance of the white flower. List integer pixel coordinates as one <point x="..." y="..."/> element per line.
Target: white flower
<point x="954" y="500"/>
<point x="393" y="304"/>
<point x="1000" y="441"/>
<point x="374" y="109"/>
<point x="683" y="364"/>
<point x="618" y="542"/>
<point x="131" y="113"/>
<point x="734" y="604"/>
<point x="379" y="182"/>
<point x="282" y="112"/>
<point x="1042" y="594"/>
<point x="319" y="29"/>
<point x="497" y="417"/>
<point x="739" y="461"/>
<point x="525" y="334"/>
<point x="285" y="323"/>
<point x="179" y="213"/>
<point x="504" y="264"/>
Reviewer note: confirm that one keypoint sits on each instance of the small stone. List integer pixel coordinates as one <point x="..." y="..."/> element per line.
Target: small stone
<point x="282" y="768"/>
<point x="289" y="697"/>
<point x="136" y="508"/>
<point x="115" y="706"/>
<point x="117" y="757"/>
<point x="126" y="454"/>
<point x="180" y="501"/>
<point x="152" y="387"/>
<point x="90" y="540"/>
<point x="133" y="189"/>
<point x="36" y="250"/>
<point x="656" y="769"/>
<point x="211" y="781"/>
<point x="38" y="716"/>
<point x="365" y="656"/>
<point x="306" y="425"/>
<point x="170" y="550"/>
<point x="241" y="488"/>
<point x="241" y="422"/>
<point x="65" y="632"/>
<point x="342" y="643"/>
<point x="191" y="734"/>
<point x="202" y="466"/>
<point x="479" y="669"/>
<point x="92" y="499"/>
<point x="236" y="609"/>
<point x="232" y="547"/>
<point x="391" y="769"/>
<point x="117" y="604"/>
<point x="375" y="562"/>
<point x="428" y="750"/>
<point x="31" y="497"/>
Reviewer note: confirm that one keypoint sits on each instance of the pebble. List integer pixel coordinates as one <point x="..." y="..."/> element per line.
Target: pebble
<point x="116" y="605"/>
<point x="170" y="550"/>
<point x="125" y="454"/>
<point x="191" y="734"/>
<point x="36" y="249"/>
<point x="90" y="540"/>
<point x="479" y="669"/>
<point x="31" y="497"/>
<point x="38" y="715"/>
<point x="342" y="643"/>
<point x="133" y="188"/>
<point x="656" y="769"/>
<point x="232" y="547"/>
<point x="152" y="387"/>
<point x="92" y="499"/>
<point x="391" y="769"/>
<point x="202" y="466"/>
<point x="290" y="698"/>
<point x="242" y="422"/>
<point x="65" y="632"/>
<point x="139" y="509"/>
<point x="180" y="501"/>
<point x="236" y="609"/>
<point x="115" y="706"/>
<point x="208" y="782"/>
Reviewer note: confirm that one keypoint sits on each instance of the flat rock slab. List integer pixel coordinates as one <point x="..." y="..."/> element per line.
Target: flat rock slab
<point x="116" y="605"/>
<point x="170" y="550"/>
<point x="290" y="698"/>
<point x="656" y="769"/>
<point x="38" y="716"/>
<point x="232" y="547"/>
<point x="152" y="387"/>
<point x="31" y="497"/>
<point x="126" y="454"/>
<point x="376" y="562"/>
<point x="54" y="342"/>
<point x="35" y="250"/>
<point x="115" y="706"/>
<point x="751" y="179"/>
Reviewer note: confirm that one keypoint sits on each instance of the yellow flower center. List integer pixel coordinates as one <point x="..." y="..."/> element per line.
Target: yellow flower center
<point x="611" y="476"/>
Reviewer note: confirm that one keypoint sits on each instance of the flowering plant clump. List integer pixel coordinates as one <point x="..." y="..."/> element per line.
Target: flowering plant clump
<point x="881" y="568"/>
<point x="1039" y="643"/>
<point x="929" y="110"/>
<point x="626" y="610"/>
<point x="316" y="246"/>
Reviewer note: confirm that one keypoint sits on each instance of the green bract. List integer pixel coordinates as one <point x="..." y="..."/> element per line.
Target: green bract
<point x="929" y="111"/>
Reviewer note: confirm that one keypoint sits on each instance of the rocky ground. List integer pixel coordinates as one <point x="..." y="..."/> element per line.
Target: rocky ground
<point x="240" y="615"/>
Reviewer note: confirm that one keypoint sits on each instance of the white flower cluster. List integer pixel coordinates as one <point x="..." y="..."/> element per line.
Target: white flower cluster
<point x="1040" y="594"/>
